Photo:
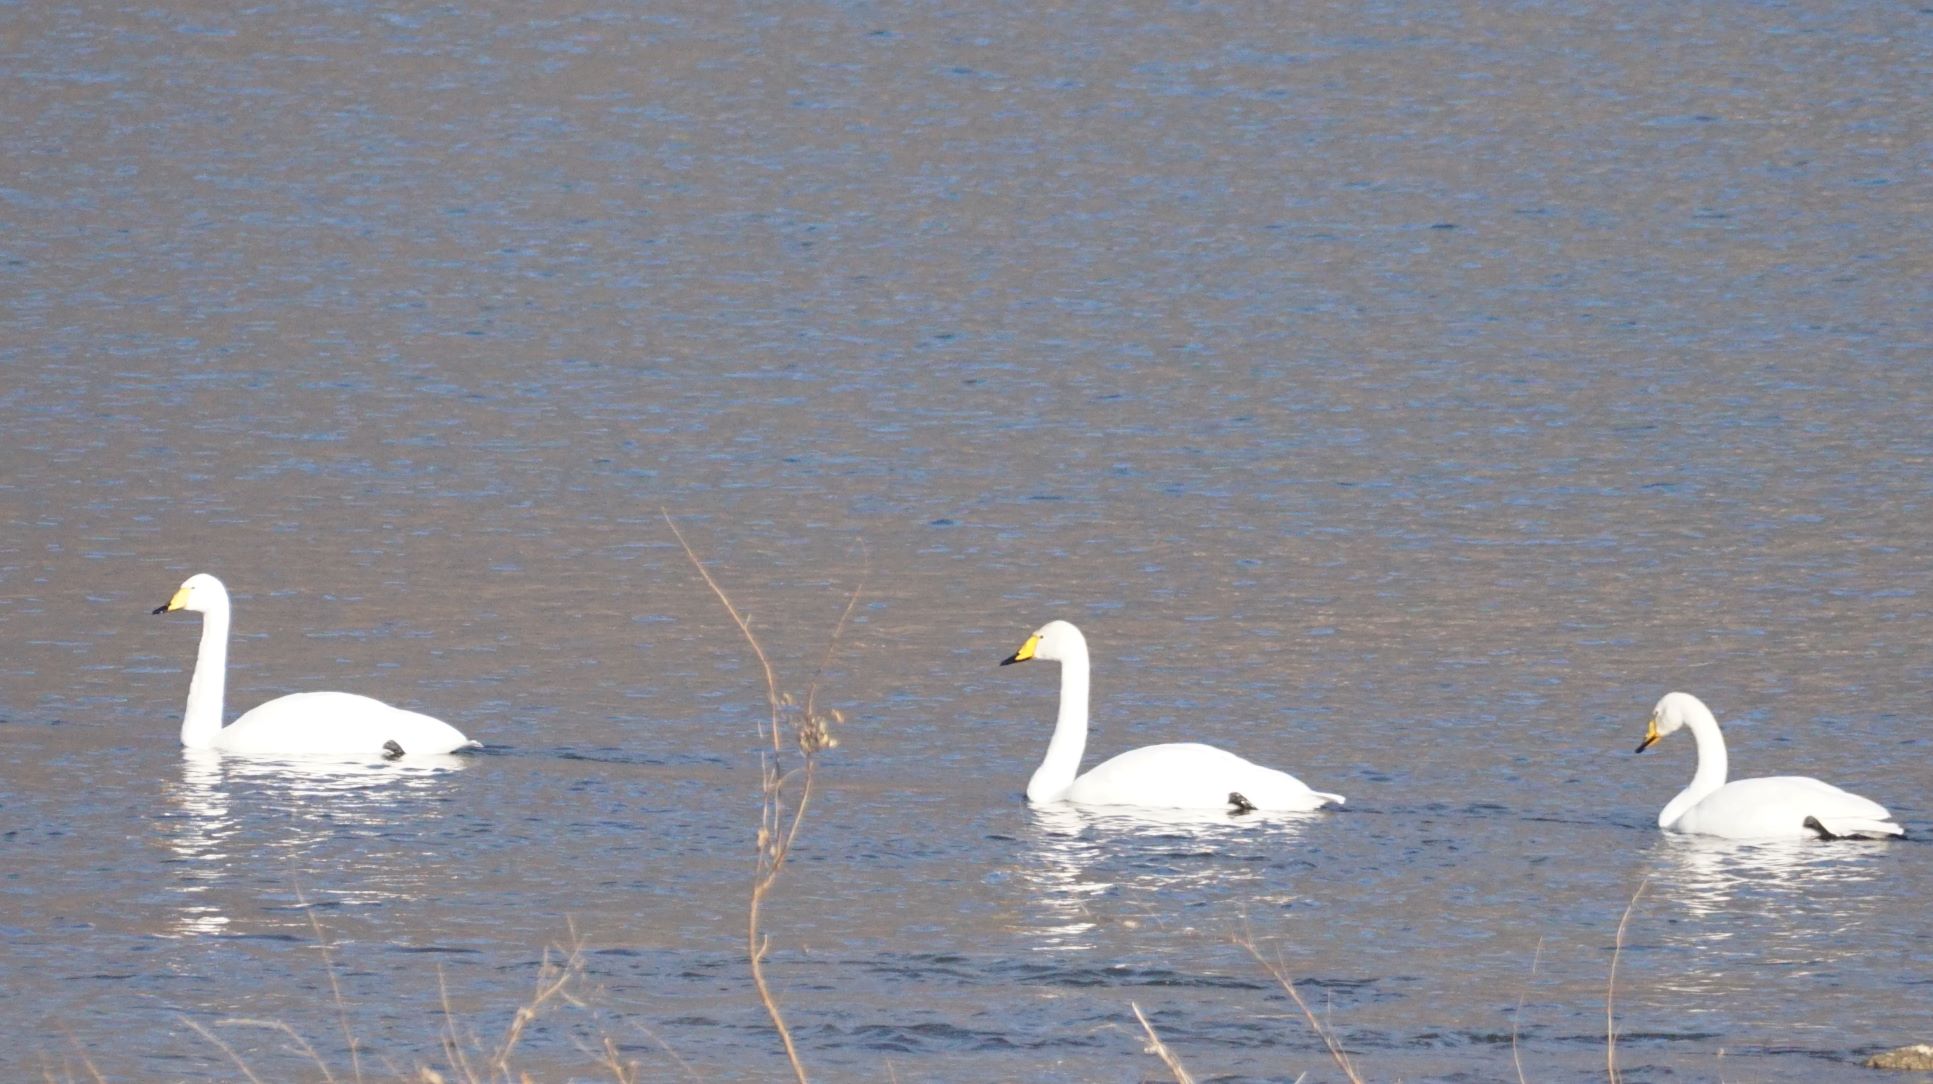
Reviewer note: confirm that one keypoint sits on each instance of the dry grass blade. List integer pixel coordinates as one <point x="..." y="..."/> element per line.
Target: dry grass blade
<point x="453" y="1043"/>
<point x="1160" y="1049"/>
<point x="1515" y="1058"/>
<point x="67" y="1071"/>
<point x="682" y="1064"/>
<point x="1279" y="972"/>
<point x="552" y="978"/>
<point x="744" y="626"/>
<point x="838" y="631"/>
<point x="300" y="1043"/>
<point x="335" y="988"/>
<point x="786" y="794"/>
<point x="1611" y="990"/>
<point x="224" y="1048"/>
<point x="624" y="1072"/>
<point x="561" y="966"/>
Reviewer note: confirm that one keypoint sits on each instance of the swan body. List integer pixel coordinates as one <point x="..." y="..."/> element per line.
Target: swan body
<point x="301" y="724"/>
<point x="1183" y="775"/>
<point x="1773" y="807"/>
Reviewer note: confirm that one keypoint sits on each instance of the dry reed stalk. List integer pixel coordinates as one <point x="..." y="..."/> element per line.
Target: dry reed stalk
<point x="1515" y="1058"/>
<point x="552" y="978"/>
<point x="622" y="1071"/>
<point x="1611" y="989"/>
<point x="278" y="1025"/>
<point x="335" y="988"/>
<point x="1279" y="972"/>
<point x="67" y="1069"/>
<point x="681" y="1063"/>
<point x="1160" y="1049"/>
<point x="553" y="982"/>
<point x="224" y="1048"/>
<point x="782" y="810"/>
<point x="453" y="1042"/>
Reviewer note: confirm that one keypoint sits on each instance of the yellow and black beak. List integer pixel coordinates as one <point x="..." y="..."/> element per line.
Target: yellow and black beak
<point x="1026" y="651"/>
<point x="179" y="600"/>
<point x="1650" y="735"/>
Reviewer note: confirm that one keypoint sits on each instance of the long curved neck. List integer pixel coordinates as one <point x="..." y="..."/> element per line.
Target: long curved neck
<point x="1063" y="761"/>
<point x="202" y="719"/>
<point x="1713" y="765"/>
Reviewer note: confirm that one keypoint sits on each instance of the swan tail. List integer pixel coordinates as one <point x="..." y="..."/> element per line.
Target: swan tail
<point x="1853" y="828"/>
<point x="1335" y="799"/>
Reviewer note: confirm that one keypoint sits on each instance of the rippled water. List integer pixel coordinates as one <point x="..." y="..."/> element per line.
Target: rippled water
<point x="1406" y="397"/>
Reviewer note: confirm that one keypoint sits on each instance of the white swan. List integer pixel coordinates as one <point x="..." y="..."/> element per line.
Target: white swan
<point x="1178" y="776"/>
<point x="301" y="724"/>
<point x="1774" y="807"/>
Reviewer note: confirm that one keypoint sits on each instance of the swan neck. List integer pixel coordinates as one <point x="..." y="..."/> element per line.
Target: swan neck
<point x="1063" y="761"/>
<point x="1713" y="763"/>
<point x="1713" y="766"/>
<point x="201" y="721"/>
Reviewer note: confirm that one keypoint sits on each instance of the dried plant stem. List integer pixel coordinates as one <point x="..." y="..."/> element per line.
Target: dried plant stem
<point x="786" y="794"/>
<point x="67" y="1068"/>
<point x="453" y="1043"/>
<point x="772" y="859"/>
<point x="622" y="1071"/>
<point x="552" y="978"/>
<point x="1280" y="973"/>
<point x="1515" y="1058"/>
<point x="225" y="1048"/>
<point x="299" y="1041"/>
<point x="838" y="632"/>
<point x="627" y="1072"/>
<point x="1611" y="989"/>
<point x="743" y="623"/>
<point x="1160" y="1049"/>
<point x="335" y="988"/>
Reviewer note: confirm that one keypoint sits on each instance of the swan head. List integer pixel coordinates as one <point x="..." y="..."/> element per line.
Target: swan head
<point x="1672" y="712"/>
<point x="1054" y="641"/>
<point x="199" y="592"/>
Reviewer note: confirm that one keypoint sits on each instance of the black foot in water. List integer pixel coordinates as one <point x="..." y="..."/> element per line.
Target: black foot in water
<point x="1824" y="832"/>
<point x="391" y="750"/>
<point x="1242" y="805"/>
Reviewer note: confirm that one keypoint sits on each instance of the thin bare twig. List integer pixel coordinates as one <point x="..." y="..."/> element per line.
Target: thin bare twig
<point x="453" y="1042"/>
<point x="744" y="626"/>
<point x="1514" y="1057"/>
<point x="1279" y="971"/>
<point x="780" y="814"/>
<point x="551" y="980"/>
<point x="622" y="1071"/>
<point x="838" y="631"/>
<point x="1611" y="989"/>
<point x="66" y="1068"/>
<point x="335" y="988"/>
<point x="225" y="1048"/>
<point x="1160" y="1049"/>
<point x="299" y="1041"/>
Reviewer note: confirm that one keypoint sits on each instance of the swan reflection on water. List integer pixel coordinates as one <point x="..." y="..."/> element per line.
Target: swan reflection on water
<point x="1088" y="870"/>
<point x="1708" y="875"/>
<point x="1745" y="906"/>
<point x="307" y="802"/>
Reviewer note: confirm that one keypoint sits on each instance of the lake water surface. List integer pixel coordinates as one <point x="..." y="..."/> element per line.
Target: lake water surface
<point x="1403" y="395"/>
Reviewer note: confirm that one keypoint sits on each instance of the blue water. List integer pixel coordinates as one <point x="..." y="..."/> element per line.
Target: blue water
<point x="1404" y="398"/>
